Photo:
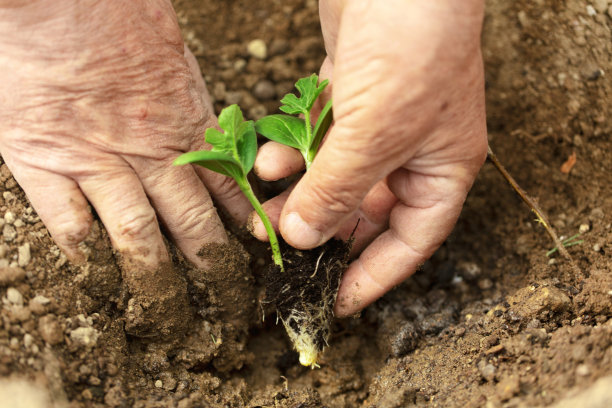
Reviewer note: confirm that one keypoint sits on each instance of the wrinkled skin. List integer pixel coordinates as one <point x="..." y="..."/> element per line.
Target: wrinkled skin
<point x="97" y="99"/>
<point x="408" y="140"/>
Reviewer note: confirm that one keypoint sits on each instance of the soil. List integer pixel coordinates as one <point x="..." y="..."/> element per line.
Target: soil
<point x="489" y="321"/>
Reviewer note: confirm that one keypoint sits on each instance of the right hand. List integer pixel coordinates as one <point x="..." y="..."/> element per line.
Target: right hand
<point x="96" y="100"/>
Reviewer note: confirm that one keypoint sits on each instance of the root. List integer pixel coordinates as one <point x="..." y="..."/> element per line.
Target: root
<point x="541" y="218"/>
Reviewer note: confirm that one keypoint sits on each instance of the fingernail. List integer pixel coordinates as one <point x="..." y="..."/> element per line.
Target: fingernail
<point x="299" y="234"/>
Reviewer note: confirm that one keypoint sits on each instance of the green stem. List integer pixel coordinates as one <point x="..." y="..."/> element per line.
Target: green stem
<point x="307" y="159"/>
<point x="245" y="187"/>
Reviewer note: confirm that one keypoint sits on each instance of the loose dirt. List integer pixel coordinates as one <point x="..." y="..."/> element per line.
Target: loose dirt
<point x="489" y="321"/>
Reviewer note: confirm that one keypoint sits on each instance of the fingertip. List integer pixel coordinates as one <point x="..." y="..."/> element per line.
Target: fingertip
<point x="276" y="161"/>
<point x="357" y="290"/>
<point x="256" y="227"/>
<point x="298" y="233"/>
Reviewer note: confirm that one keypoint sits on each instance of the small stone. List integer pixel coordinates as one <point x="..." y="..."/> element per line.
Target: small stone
<point x="169" y="382"/>
<point x="18" y="223"/>
<point x="460" y="331"/>
<point x="19" y="314"/>
<point x="279" y="46"/>
<point x="584" y="228"/>
<point x="14" y="296"/>
<point x="600" y="5"/>
<point x="591" y="10"/>
<point x="239" y="65"/>
<point x="14" y="343"/>
<point x="9" y="233"/>
<point x="258" y="49"/>
<point x="469" y="270"/>
<point x="9" y="217"/>
<point x="10" y="275"/>
<point x="219" y="91"/>
<point x="28" y="340"/>
<point x="583" y="370"/>
<point x="258" y="112"/>
<point x="264" y="90"/>
<point x="233" y="97"/>
<point x="508" y="387"/>
<point x="50" y="330"/>
<point x="24" y="255"/>
<point x="489" y="341"/>
<point x="85" y="336"/>
<point x="597" y="247"/>
<point x="38" y="305"/>
<point x="495" y="349"/>
<point x="158" y="384"/>
<point x="487" y="370"/>
<point x="87" y="394"/>
<point x="485" y="284"/>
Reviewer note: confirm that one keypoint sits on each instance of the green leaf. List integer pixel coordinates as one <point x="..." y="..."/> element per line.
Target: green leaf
<point x="284" y="129"/>
<point x="239" y="140"/>
<point x="309" y="91"/>
<point x="323" y="123"/>
<point x="215" y="161"/>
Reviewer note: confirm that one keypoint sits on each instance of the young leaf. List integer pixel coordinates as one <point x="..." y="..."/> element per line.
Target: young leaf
<point x="309" y="91"/>
<point x="233" y="154"/>
<point x="284" y="129"/>
<point x="215" y="161"/>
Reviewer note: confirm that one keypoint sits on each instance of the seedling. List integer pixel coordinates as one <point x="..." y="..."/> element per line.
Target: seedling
<point x="233" y="155"/>
<point x="294" y="131"/>
<point x="571" y="241"/>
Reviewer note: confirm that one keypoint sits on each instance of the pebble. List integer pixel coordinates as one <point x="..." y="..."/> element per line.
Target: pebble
<point x="584" y="228"/>
<point x="239" y="64"/>
<point x="28" y="340"/>
<point x="258" y="49"/>
<point x="258" y="112"/>
<point x="591" y="10"/>
<point x="583" y="370"/>
<point x="9" y="217"/>
<point x="85" y="336"/>
<point x="460" y="331"/>
<point x="24" y="255"/>
<point x="508" y="387"/>
<point x="264" y="90"/>
<point x="279" y="46"/>
<point x="9" y="233"/>
<point x="233" y="97"/>
<point x="485" y="284"/>
<point x="50" y="330"/>
<point x="18" y="223"/>
<point x="600" y="5"/>
<point x="219" y="90"/>
<point x="158" y="384"/>
<point x="10" y="275"/>
<point x="469" y="270"/>
<point x="14" y="296"/>
<point x="487" y="370"/>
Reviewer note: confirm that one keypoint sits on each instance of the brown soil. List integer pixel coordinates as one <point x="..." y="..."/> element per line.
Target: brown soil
<point x="489" y="321"/>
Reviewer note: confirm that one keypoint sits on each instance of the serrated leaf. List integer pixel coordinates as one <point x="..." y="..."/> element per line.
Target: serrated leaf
<point x="309" y="91"/>
<point x="246" y="144"/>
<point x="284" y="129"/>
<point x="215" y="161"/>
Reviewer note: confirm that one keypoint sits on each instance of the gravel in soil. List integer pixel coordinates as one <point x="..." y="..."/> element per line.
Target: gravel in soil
<point x="489" y="321"/>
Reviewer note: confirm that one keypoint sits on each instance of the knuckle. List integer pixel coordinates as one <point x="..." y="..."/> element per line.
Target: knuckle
<point x="339" y="201"/>
<point x="138" y="224"/>
<point x="196" y="223"/>
<point x="73" y="231"/>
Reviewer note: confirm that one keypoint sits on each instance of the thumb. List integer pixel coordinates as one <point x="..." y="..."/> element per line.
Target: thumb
<point x="341" y="175"/>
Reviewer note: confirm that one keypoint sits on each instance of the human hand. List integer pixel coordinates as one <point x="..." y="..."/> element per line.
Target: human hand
<point x="408" y="139"/>
<point x="96" y="100"/>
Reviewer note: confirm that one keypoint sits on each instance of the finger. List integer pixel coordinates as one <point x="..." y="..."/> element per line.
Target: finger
<point x="276" y="161"/>
<point x="371" y="219"/>
<point x="200" y="84"/>
<point x="184" y="207"/>
<point x="419" y="223"/>
<point x="343" y="172"/>
<point x="61" y="206"/>
<point x="120" y="201"/>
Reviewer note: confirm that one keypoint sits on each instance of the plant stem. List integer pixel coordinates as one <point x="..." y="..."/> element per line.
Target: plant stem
<point x="541" y="218"/>
<point x="307" y="159"/>
<point x="247" y="190"/>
